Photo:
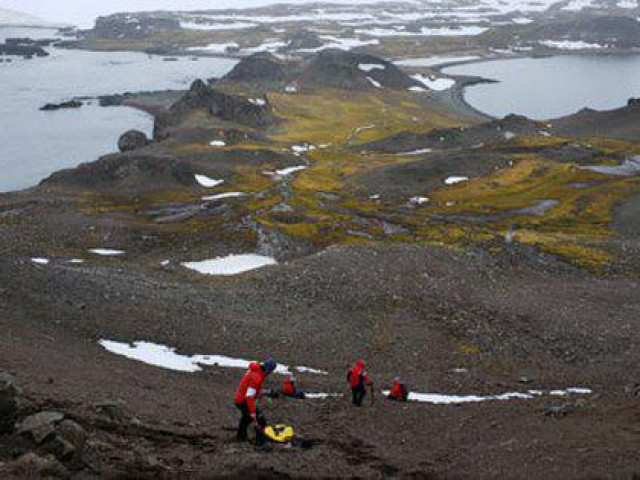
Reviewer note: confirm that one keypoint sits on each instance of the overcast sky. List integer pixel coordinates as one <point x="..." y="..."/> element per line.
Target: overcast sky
<point x="82" y="12"/>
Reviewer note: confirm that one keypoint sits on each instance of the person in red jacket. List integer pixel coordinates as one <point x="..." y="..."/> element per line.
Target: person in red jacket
<point x="247" y="396"/>
<point x="358" y="380"/>
<point x="290" y="388"/>
<point x="399" y="391"/>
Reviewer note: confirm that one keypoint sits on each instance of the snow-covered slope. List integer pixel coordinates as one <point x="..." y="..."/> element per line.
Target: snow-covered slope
<point x="19" y="19"/>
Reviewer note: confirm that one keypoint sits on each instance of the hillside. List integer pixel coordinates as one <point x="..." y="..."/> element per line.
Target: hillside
<point x="18" y="19"/>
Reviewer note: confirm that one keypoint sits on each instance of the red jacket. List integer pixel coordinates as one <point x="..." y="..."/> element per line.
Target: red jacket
<point x="250" y="386"/>
<point x="289" y="387"/>
<point x="398" y="391"/>
<point x="358" y="374"/>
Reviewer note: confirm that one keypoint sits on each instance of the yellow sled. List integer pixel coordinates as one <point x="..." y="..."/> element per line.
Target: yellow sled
<point x="279" y="433"/>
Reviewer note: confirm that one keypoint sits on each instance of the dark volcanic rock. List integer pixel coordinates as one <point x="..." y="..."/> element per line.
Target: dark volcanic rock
<point x="40" y="426"/>
<point x="304" y="39"/>
<point x="20" y="50"/>
<point x="264" y="68"/>
<point x="495" y="131"/>
<point x="8" y="402"/>
<point x="218" y="104"/>
<point x="59" y="106"/>
<point x="132" y="140"/>
<point x="339" y="69"/>
<point x="128" y="173"/>
<point x="125" y="25"/>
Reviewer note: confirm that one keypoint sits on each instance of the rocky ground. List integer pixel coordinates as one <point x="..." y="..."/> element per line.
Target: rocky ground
<point x="468" y="291"/>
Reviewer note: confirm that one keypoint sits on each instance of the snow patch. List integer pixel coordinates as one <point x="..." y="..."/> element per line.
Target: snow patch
<point x="418" y="200"/>
<point x="218" y="143"/>
<point x="444" y="399"/>
<point x="433" y="61"/>
<point x="208" y="182"/>
<point x="321" y="396"/>
<point x="571" y="45"/>
<point x="375" y="83"/>
<point x="222" y="196"/>
<point x="288" y="171"/>
<point x="107" y="252"/>
<point x="433" y="83"/>
<point x="230" y="265"/>
<point x="40" y="261"/>
<point x="215" y="48"/>
<point x="166" y="357"/>
<point x="417" y="152"/>
<point x="367" y="67"/>
<point x="455" y="179"/>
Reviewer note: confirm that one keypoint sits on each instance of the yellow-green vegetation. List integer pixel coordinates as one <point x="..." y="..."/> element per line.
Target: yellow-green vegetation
<point x="335" y="116"/>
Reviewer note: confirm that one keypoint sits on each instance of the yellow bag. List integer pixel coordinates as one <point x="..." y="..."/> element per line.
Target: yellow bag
<point x="279" y="433"/>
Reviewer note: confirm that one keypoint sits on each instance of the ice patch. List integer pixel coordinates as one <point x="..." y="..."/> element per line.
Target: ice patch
<point x="218" y="143"/>
<point x="341" y="44"/>
<point x="311" y="370"/>
<point x="76" y="261"/>
<point x="40" y="261"/>
<point x="230" y="265"/>
<point x="433" y="83"/>
<point x="269" y="46"/>
<point x="509" y="135"/>
<point x="455" y="179"/>
<point x="261" y="102"/>
<point x="299" y="149"/>
<point x="443" y="399"/>
<point x="367" y="67"/>
<point x="107" y="252"/>
<point x="222" y="196"/>
<point x="166" y="357"/>
<point x="208" y="182"/>
<point x="467" y="30"/>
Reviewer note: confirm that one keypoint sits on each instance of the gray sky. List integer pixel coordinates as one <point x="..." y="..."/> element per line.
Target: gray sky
<point x="82" y="12"/>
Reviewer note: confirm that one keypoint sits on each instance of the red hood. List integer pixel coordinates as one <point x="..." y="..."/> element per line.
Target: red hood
<point x="255" y="367"/>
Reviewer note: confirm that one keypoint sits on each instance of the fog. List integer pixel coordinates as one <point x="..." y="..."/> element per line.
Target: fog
<point x="83" y="12"/>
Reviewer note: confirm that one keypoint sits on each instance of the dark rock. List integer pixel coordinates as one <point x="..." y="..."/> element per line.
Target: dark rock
<point x="74" y="434"/>
<point x="31" y="465"/>
<point x="632" y="389"/>
<point x="125" y="25"/>
<point x="264" y="68"/>
<point x="40" y="426"/>
<point x="8" y="403"/>
<point x="59" y="106"/>
<point x="132" y="140"/>
<point x="60" y="447"/>
<point x="129" y="172"/>
<point x="20" y="50"/>
<point x="304" y="39"/>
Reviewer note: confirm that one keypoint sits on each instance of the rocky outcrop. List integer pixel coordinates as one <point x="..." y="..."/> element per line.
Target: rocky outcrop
<point x="335" y="68"/>
<point x="49" y="107"/>
<point x="303" y="40"/>
<point x="331" y="68"/>
<point x="221" y="105"/>
<point x="263" y="68"/>
<point x="132" y="140"/>
<point x="126" y="173"/>
<point x="22" y="50"/>
<point x="126" y="25"/>
<point x="497" y="131"/>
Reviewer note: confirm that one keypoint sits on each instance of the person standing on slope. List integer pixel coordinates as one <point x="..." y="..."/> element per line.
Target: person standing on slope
<point x="358" y="381"/>
<point x="247" y="396"/>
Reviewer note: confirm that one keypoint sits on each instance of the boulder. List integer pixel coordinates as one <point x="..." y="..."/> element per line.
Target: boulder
<point x="8" y="402"/>
<point x="31" y="465"/>
<point x="132" y="140"/>
<point x="40" y="426"/>
<point x="74" y="435"/>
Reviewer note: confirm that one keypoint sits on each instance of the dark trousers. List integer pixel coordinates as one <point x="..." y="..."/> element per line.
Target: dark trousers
<point x="358" y="394"/>
<point x="245" y="421"/>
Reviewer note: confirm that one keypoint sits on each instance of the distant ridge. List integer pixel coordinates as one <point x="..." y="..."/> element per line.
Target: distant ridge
<point x="12" y="18"/>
